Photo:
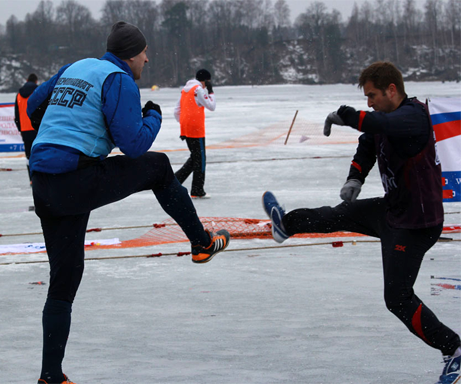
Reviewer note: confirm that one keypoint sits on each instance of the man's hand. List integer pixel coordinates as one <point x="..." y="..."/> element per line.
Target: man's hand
<point x="209" y="87"/>
<point x="150" y="105"/>
<point x="332" y="118"/>
<point x="350" y="190"/>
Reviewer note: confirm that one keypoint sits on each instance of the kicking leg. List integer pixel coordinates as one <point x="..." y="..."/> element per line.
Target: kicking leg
<point x="403" y="251"/>
<point x="362" y="216"/>
<point x="176" y="201"/>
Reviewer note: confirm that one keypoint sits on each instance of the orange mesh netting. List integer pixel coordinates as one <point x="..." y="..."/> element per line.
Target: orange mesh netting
<point x="239" y="228"/>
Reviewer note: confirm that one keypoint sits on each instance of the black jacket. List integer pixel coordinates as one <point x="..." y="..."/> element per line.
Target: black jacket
<point x="25" y="91"/>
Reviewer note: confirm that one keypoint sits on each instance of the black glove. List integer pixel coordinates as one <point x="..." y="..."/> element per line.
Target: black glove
<point x="209" y="87"/>
<point x="150" y="105"/>
<point x="347" y="114"/>
<point x="182" y="138"/>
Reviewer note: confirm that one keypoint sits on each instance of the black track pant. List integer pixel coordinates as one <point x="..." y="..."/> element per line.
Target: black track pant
<point x="28" y="138"/>
<point x="402" y="253"/>
<point x="64" y="202"/>
<point x="196" y="163"/>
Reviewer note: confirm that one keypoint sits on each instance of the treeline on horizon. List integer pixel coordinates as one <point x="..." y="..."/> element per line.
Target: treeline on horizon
<point x="245" y="41"/>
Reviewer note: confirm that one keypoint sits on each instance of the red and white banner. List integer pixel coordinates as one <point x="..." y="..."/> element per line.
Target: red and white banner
<point x="10" y="138"/>
<point x="446" y="119"/>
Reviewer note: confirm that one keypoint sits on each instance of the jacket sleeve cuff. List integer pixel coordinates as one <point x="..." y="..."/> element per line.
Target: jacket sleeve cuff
<point x="155" y="114"/>
<point x="350" y="116"/>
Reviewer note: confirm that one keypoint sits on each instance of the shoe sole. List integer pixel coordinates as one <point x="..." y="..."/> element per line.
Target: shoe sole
<point x="209" y="258"/>
<point x="453" y="382"/>
<point x="276" y="234"/>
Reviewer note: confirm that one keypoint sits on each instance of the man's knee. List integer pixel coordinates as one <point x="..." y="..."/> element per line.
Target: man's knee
<point x="65" y="279"/>
<point x="63" y="292"/>
<point x="158" y="167"/>
<point x="398" y="300"/>
<point x="160" y="159"/>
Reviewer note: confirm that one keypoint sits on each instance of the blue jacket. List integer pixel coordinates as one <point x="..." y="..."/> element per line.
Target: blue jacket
<point x="128" y="129"/>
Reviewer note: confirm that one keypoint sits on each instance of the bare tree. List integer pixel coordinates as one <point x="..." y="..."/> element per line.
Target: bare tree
<point x="394" y="22"/>
<point x="40" y="24"/>
<point x="312" y="23"/>
<point x="75" y="24"/>
<point x="282" y="14"/>
<point x="246" y="41"/>
<point x="115" y="10"/>
<point x="176" y="26"/>
<point x="453" y="21"/>
<point x="197" y="14"/>
<point x="432" y="19"/>
<point x="14" y="34"/>
<point x="409" y="20"/>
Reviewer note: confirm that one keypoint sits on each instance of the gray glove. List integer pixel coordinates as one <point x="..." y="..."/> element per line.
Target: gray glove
<point x="350" y="190"/>
<point x="332" y="118"/>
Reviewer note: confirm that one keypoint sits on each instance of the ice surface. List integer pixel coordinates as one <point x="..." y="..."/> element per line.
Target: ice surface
<point x="257" y="313"/>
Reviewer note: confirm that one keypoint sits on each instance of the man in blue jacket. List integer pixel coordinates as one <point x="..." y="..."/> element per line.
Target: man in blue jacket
<point x="408" y="219"/>
<point x="82" y="113"/>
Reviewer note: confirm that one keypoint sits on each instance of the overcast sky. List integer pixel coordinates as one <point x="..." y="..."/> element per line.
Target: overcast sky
<point x="20" y="8"/>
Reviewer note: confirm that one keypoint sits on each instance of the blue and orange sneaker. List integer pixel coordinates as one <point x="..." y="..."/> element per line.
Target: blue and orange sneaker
<point x="451" y="372"/>
<point x="219" y="242"/>
<point x="66" y="381"/>
<point x="275" y="213"/>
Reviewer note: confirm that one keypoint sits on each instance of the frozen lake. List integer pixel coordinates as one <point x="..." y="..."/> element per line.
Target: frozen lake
<point x="305" y="312"/>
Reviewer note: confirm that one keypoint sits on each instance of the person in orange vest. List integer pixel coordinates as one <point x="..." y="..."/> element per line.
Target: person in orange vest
<point x="190" y="113"/>
<point x="21" y="119"/>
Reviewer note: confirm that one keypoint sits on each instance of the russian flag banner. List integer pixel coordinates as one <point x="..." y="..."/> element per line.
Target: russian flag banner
<point x="446" y="119"/>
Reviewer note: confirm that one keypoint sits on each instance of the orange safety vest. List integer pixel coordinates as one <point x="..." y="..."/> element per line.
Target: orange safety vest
<point x="26" y="125"/>
<point x="192" y="117"/>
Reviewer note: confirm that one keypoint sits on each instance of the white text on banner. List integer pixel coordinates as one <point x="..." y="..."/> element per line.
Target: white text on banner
<point x="10" y="138"/>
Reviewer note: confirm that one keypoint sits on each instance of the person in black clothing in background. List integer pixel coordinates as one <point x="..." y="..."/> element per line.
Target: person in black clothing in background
<point x="21" y="119"/>
<point x="408" y="219"/>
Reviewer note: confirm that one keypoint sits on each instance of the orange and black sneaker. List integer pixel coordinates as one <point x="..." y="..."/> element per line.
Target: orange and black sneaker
<point x="219" y="242"/>
<point x="66" y="381"/>
<point x="205" y="196"/>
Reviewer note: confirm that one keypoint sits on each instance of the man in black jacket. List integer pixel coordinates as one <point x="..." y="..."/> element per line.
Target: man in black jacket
<point x="21" y="119"/>
<point x="408" y="219"/>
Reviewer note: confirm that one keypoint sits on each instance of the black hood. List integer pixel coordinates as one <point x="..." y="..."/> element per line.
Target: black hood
<point x="27" y="89"/>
